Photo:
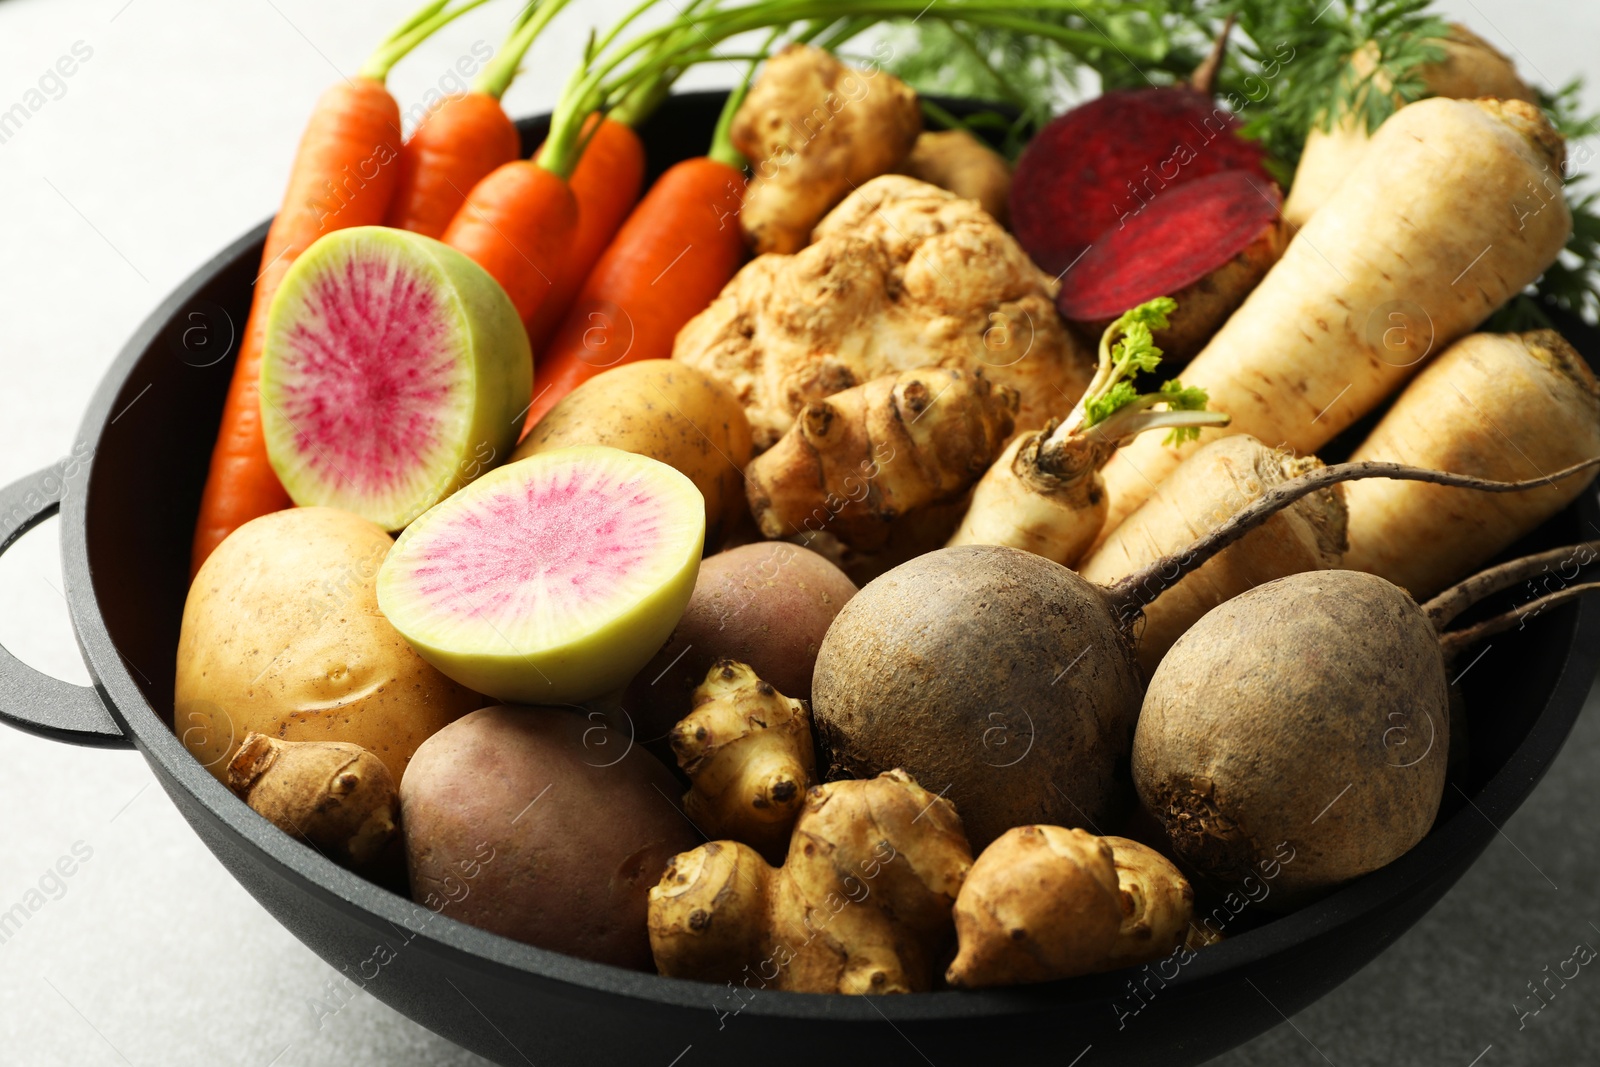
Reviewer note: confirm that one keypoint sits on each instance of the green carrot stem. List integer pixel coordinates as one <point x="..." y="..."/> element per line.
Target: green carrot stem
<point x="667" y="47"/>
<point x="418" y="28"/>
<point x="497" y="76"/>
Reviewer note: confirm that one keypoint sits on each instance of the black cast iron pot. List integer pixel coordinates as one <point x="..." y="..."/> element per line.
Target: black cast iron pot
<point x="128" y="494"/>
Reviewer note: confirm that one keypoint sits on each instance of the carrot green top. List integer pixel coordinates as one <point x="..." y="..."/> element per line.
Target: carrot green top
<point x="412" y="32"/>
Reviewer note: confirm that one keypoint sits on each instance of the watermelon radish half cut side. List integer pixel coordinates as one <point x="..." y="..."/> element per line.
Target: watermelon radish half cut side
<point x="394" y="371"/>
<point x="551" y="580"/>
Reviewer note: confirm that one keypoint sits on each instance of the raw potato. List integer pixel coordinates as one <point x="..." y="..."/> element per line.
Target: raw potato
<point x="1205" y="491"/>
<point x="1392" y="270"/>
<point x="1040" y="903"/>
<point x="1471" y="68"/>
<point x="766" y="604"/>
<point x="542" y="825"/>
<point x="902" y="275"/>
<point x="997" y="677"/>
<point x="1508" y="407"/>
<point x="813" y="130"/>
<point x="337" y="796"/>
<point x="861" y="460"/>
<point x="747" y="750"/>
<point x="1311" y="715"/>
<point x="282" y="636"/>
<point x="958" y="161"/>
<point x="666" y="411"/>
<point x="861" y="905"/>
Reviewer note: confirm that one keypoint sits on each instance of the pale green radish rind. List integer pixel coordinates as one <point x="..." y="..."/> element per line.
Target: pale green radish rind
<point x="531" y="654"/>
<point x="489" y="385"/>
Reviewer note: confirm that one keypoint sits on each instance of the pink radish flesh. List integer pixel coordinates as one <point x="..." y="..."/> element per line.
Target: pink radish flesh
<point x="1097" y="164"/>
<point x="574" y="538"/>
<point x="1183" y="235"/>
<point x="370" y="372"/>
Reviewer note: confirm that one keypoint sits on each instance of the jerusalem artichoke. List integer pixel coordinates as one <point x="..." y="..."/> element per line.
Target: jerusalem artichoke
<point x="747" y="751"/>
<point x="902" y="275"/>
<point x="862" y="903"/>
<point x="334" y="795"/>
<point x="814" y="129"/>
<point x="857" y="461"/>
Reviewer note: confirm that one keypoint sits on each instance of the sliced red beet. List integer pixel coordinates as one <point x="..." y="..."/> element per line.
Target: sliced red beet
<point x="1102" y="161"/>
<point x="1179" y="238"/>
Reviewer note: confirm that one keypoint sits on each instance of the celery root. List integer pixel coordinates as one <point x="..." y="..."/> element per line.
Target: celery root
<point x="1503" y="407"/>
<point x="1457" y="208"/>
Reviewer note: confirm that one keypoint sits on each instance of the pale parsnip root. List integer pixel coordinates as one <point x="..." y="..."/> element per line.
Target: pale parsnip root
<point x="1205" y="491"/>
<point x="1471" y="68"/>
<point x="1458" y="207"/>
<point x="1500" y="406"/>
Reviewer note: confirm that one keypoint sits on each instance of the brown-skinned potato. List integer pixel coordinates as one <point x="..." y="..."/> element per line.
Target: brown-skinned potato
<point x="545" y="825"/>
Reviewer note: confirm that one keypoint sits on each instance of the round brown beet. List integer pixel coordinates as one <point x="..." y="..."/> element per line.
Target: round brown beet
<point x="1299" y="732"/>
<point x="767" y="604"/>
<point x="994" y="677"/>
<point x="526" y="822"/>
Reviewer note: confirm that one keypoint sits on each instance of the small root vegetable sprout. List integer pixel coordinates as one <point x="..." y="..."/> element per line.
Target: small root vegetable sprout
<point x="1045" y="494"/>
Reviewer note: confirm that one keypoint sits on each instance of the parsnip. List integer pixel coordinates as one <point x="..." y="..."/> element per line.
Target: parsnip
<point x="1457" y="208"/>
<point x="1501" y="407"/>
<point x="1471" y="68"/>
<point x="1044" y="494"/>
<point x="1210" y="486"/>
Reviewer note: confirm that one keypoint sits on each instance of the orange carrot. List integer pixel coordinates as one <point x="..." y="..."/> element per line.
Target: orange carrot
<point x="675" y="253"/>
<point x="606" y="185"/>
<point x="517" y="224"/>
<point x="343" y="175"/>
<point x="464" y="139"/>
<point x="455" y="147"/>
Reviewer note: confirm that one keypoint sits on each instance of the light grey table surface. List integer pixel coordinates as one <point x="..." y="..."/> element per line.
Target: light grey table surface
<point x="171" y="137"/>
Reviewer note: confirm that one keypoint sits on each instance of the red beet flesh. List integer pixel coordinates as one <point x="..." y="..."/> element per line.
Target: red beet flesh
<point x="1180" y="237"/>
<point x="1101" y="161"/>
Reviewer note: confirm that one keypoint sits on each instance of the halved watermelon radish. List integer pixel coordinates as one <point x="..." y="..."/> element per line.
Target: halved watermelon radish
<point x="551" y="580"/>
<point x="394" y="371"/>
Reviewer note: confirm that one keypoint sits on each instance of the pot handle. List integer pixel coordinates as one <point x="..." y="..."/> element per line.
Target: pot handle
<point x="30" y="700"/>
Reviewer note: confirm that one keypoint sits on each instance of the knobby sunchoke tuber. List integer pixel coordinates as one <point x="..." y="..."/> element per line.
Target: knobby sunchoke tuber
<point x="902" y="275"/>
<point x="747" y="751"/>
<point x="336" y="796"/>
<point x="857" y="461"/>
<point x="862" y="903"/>
<point x="814" y="129"/>
<point x="1044" y="903"/>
